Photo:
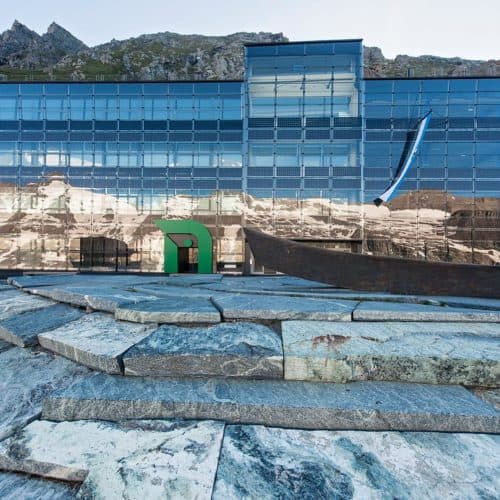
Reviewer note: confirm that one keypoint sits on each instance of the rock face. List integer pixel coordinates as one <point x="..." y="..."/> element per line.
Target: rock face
<point x="172" y="56"/>
<point x="16" y="486"/>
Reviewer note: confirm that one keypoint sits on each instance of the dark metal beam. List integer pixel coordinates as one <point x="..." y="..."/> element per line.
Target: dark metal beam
<point x="373" y="273"/>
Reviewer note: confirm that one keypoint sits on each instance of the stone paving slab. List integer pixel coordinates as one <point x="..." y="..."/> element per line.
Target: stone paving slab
<point x="391" y="311"/>
<point x="491" y="396"/>
<point x="24" y="487"/>
<point x="170" y="310"/>
<point x="99" y="298"/>
<point x="147" y="460"/>
<point x="5" y="288"/>
<point x="172" y="291"/>
<point x="188" y="280"/>
<point x="433" y="353"/>
<point x="469" y="302"/>
<point x="75" y="279"/>
<point x="15" y="302"/>
<point x="261" y="462"/>
<point x="96" y="340"/>
<point x="23" y="329"/>
<point x="246" y="306"/>
<point x="227" y="350"/>
<point x="26" y="378"/>
<point x="307" y="405"/>
<point x="4" y="346"/>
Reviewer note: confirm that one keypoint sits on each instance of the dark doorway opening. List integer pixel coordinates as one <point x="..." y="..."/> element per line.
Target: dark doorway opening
<point x="104" y="253"/>
<point x="187" y="260"/>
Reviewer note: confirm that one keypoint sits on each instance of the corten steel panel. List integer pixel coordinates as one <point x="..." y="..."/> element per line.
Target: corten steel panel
<point x="373" y="273"/>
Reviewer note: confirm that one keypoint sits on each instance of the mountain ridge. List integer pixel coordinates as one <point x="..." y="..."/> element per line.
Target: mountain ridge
<point x="59" y="55"/>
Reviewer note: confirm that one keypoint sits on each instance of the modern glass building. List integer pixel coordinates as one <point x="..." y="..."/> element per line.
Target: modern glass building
<point x="299" y="149"/>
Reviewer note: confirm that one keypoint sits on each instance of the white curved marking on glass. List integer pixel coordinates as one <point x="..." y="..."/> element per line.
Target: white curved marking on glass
<point x="389" y="193"/>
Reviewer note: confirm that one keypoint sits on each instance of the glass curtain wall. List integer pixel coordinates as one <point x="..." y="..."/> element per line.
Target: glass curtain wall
<point x="304" y="139"/>
<point x="449" y="205"/>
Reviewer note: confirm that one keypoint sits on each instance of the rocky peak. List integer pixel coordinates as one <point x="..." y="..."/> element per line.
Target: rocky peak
<point x="57" y="38"/>
<point x="18" y="38"/>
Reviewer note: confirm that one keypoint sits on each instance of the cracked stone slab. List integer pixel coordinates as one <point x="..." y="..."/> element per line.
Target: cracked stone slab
<point x="170" y="310"/>
<point x="153" y="460"/>
<point x="23" y="329"/>
<point x="26" y="378"/>
<point x="246" y="306"/>
<point x="432" y="353"/>
<point x="99" y="298"/>
<point x="261" y="462"/>
<point x="96" y="340"/>
<point x="392" y="311"/>
<point x="5" y="288"/>
<point x="15" y="302"/>
<point x="226" y="350"/>
<point x="188" y="280"/>
<point x="4" y="346"/>
<point x="306" y="405"/>
<point x="21" y="486"/>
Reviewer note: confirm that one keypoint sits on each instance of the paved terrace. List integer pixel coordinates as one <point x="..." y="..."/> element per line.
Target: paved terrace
<point x="204" y="386"/>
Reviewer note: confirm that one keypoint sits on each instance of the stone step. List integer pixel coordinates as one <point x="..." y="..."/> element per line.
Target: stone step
<point x="266" y="307"/>
<point x="26" y="377"/>
<point x="170" y="310"/>
<point x="434" y="353"/>
<point x="359" y="405"/>
<point x="96" y="340"/>
<point x="23" y="329"/>
<point x="21" y="486"/>
<point x="393" y="311"/>
<point x="96" y="298"/>
<point x="134" y="460"/>
<point x="226" y="350"/>
<point x="15" y="302"/>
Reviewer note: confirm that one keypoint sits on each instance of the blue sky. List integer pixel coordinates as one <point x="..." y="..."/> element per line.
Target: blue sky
<point x="443" y="27"/>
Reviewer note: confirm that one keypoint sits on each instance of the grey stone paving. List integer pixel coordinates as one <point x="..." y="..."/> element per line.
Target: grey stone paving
<point x="133" y="460"/>
<point x="26" y="378"/>
<point x="359" y="405"/>
<point x="99" y="298"/>
<point x="4" y="346"/>
<point x="24" y="487"/>
<point x="23" y="329"/>
<point x="172" y="291"/>
<point x="391" y="311"/>
<point x="170" y="310"/>
<point x="15" y="302"/>
<point x="491" y="396"/>
<point x="435" y="353"/>
<point x="260" y="462"/>
<point x="246" y="306"/>
<point x="226" y="350"/>
<point x="96" y="340"/>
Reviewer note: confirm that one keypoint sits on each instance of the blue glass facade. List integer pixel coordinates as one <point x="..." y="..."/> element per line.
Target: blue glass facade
<point x="300" y="149"/>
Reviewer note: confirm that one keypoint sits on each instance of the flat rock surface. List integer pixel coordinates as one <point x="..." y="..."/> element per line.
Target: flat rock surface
<point x="359" y="405"/>
<point x="23" y="329"/>
<point x="170" y="310"/>
<point x="22" y="487"/>
<point x="172" y="291"/>
<point x="434" y="353"/>
<point x="491" y="396"/>
<point x="226" y="350"/>
<point x="99" y="298"/>
<point x="15" y="302"/>
<point x="392" y="311"/>
<point x="97" y="340"/>
<point x="4" y="346"/>
<point x="26" y="378"/>
<point x="149" y="460"/>
<point x="260" y="462"/>
<point x="246" y="306"/>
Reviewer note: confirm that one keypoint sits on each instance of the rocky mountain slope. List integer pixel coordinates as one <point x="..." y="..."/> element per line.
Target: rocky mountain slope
<point x="57" y="54"/>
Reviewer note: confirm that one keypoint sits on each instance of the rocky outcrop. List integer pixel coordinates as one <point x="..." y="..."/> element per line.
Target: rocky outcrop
<point x="171" y="56"/>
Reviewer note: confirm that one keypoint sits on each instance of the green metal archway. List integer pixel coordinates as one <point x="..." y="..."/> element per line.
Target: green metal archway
<point x="186" y="226"/>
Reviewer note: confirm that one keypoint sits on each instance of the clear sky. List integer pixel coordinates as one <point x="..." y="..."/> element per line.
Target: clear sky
<point x="464" y="28"/>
